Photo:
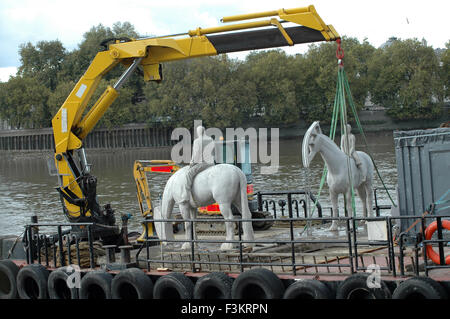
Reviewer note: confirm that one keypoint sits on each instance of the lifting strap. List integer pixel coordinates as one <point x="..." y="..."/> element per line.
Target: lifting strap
<point x="343" y="93"/>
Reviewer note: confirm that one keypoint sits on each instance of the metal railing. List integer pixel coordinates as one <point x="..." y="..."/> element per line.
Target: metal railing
<point x="55" y="249"/>
<point x="43" y="247"/>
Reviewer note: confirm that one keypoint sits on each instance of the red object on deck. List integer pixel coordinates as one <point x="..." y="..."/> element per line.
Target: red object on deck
<point x="165" y="169"/>
<point x="428" y="234"/>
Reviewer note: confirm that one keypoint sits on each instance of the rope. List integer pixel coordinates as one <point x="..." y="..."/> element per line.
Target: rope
<point x="343" y="89"/>
<point x="358" y="123"/>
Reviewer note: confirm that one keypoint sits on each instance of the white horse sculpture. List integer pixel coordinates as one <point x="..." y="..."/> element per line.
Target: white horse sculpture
<point x="338" y="171"/>
<point x="223" y="184"/>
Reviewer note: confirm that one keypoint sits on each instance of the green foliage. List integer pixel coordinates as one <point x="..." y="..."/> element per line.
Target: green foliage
<point x="42" y="61"/>
<point x="405" y="79"/>
<point x="445" y="70"/>
<point x="28" y="96"/>
<point x="408" y="77"/>
<point x="206" y="88"/>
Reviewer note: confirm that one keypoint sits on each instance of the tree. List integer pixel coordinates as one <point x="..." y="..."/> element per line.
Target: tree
<point x="445" y="69"/>
<point x="59" y="95"/>
<point x="206" y="88"/>
<point x="24" y="103"/>
<point x="405" y="79"/>
<point x="317" y="74"/>
<point x="273" y="77"/>
<point x="42" y="61"/>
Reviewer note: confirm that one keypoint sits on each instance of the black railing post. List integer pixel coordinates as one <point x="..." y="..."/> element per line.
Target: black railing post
<point x="291" y="229"/>
<point x="241" y="255"/>
<point x="355" y="242"/>
<point x="441" y="244"/>
<point x="391" y="245"/>
<point x="192" y="245"/>
<point x="61" y="248"/>
<point x="147" y="247"/>
<point x="69" y="252"/>
<point x="377" y="209"/>
<point x="350" y="253"/>
<point x="30" y="245"/>
<point x="260" y="201"/>
<point x="91" y="246"/>
<point x="400" y="248"/>
<point x="424" y="248"/>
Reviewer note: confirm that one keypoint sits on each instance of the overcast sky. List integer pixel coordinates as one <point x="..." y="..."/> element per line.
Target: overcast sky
<point x="24" y="21"/>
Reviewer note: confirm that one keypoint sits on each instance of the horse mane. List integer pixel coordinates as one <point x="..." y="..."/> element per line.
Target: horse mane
<point x="330" y="142"/>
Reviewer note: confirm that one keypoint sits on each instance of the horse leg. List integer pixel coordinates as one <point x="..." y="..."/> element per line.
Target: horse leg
<point x="334" y="203"/>
<point x="225" y="209"/>
<point x="348" y="202"/>
<point x="247" y="227"/>
<point x="185" y="210"/>
<point x="361" y="190"/>
<point x="369" y="196"/>
<point x="164" y="230"/>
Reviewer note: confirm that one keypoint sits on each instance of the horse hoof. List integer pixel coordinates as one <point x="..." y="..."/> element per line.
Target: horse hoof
<point x="226" y="246"/>
<point x="247" y="248"/>
<point x="333" y="227"/>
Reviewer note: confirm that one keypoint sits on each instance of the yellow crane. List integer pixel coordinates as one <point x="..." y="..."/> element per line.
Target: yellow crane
<point x="73" y="122"/>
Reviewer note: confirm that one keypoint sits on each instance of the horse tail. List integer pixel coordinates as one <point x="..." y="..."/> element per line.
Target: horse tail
<point x="167" y="203"/>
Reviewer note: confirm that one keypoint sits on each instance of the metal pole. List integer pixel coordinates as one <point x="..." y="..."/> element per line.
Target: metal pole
<point x="61" y="251"/>
<point x="124" y="77"/>
<point x="91" y="247"/>
<point x="441" y="244"/>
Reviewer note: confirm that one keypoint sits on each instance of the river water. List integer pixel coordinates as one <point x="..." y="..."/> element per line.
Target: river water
<point x="26" y="188"/>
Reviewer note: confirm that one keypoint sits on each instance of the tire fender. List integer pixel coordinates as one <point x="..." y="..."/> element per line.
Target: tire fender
<point x="258" y="283"/>
<point x="58" y="287"/>
<point x="32" y="282"/>
<point x="8" y="283"/>
<point x="419" y="287"/>
<point x="96" y="285"/>
<point x="216" y="285"/>
<point x="307" y="289"/>
<point x="355" y="287"/>
<point x="132" y="283"/>
<point x="173" y="286"/>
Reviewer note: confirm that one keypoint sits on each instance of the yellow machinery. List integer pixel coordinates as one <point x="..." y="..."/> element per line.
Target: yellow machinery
<point x="73" y="121"/>
<point x="140" y="170"/>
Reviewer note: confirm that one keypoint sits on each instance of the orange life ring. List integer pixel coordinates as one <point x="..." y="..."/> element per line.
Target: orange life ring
<point x="428" y="234"/>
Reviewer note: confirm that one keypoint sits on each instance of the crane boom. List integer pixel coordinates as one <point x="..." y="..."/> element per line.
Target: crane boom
<point x="71" y="124"/>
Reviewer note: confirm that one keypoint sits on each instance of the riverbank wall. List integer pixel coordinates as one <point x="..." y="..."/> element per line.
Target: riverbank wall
<point x="128" y="136"/>
<point x="140" y="135"/>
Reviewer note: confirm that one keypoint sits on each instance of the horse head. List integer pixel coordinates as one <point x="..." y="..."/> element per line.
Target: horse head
<point x="310" y="144"/>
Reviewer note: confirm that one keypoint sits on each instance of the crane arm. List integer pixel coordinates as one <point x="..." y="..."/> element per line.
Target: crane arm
<point x="72" y="123"/>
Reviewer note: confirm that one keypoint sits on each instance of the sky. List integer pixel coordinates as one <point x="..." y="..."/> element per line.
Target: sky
<point x="23" y="21"/>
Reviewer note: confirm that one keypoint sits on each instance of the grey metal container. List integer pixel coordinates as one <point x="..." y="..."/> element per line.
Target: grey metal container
<point x="423" y="165"/>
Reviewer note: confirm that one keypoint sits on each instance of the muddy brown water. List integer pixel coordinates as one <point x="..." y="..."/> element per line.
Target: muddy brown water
<point x="26" y="186"/>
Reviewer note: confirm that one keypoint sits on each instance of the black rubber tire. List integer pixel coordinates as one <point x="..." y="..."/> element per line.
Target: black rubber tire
<point x="57" y="285"/>
<point x="260" y="224"/>
<point x="173" y="286"/>
<point x="96" y="285"/>
<point x="132" y="283"/>
<point x="216" y="285"/>
<point x="355" y="287"/>
<point x="420" y="288"/>
<point x="8" y="275"/>
<point x="32" y="282"/>
<point x="258" y="283"/>
<point x="332" y="287"/>
<point x="307" y="289"/>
